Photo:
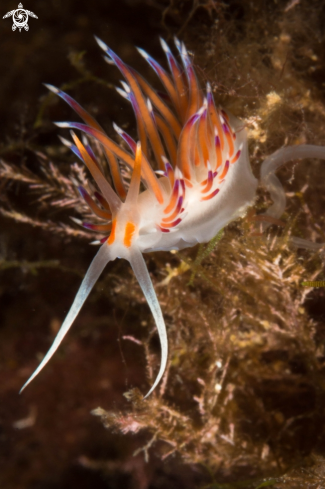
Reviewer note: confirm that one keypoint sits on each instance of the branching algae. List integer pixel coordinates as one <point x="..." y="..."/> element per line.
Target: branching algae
<point x="202" y="178"/>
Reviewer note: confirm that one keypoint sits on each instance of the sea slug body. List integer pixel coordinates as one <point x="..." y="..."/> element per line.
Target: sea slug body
<point x="193" y="162"/>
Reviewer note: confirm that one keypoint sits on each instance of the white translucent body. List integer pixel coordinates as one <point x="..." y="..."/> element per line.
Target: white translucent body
<point x="203" y="211"/>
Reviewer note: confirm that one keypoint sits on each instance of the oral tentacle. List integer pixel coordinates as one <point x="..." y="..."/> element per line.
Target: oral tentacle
<point x="141" y="272"/>
<point x="97" y="266"/>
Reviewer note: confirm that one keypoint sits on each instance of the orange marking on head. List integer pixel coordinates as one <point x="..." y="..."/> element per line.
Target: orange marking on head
<point x="129" y="233"/>
<point x="111" y="238"/>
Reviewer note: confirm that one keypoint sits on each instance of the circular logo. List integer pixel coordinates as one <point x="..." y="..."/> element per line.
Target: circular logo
<point x="20" y="19"/>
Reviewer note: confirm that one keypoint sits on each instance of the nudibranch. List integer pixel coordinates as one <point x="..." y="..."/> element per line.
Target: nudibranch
<point x="191" y="159"/>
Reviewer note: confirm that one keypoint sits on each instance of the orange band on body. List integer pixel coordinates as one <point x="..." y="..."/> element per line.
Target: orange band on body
<point x="129" y="233"/>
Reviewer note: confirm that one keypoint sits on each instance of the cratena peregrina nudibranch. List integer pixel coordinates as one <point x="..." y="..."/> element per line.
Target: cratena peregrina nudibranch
<point x="192" y="160"/>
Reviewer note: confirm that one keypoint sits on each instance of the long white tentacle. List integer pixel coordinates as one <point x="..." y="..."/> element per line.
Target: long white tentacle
<point x="98" y="264"/>
<point x="277" y="193"/>
<point x="271" y="165"/>
<point x="141" y="272"/>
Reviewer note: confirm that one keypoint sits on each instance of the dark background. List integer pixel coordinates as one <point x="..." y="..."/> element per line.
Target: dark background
<point x="64" y="446"/>
<point x="95" y="367"/>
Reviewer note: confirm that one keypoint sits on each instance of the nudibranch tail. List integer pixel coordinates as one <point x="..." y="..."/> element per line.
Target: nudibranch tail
<point x="277" y="193"/>
<point x="271" y="165"/>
